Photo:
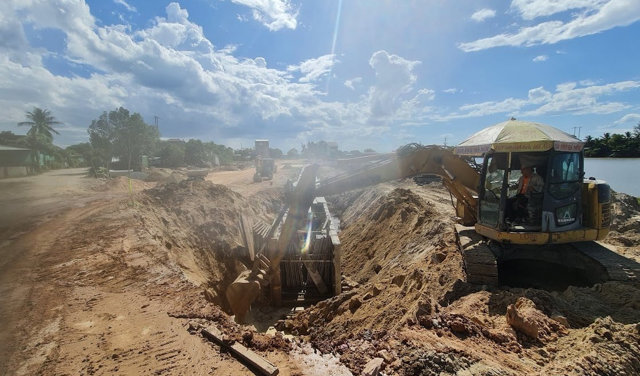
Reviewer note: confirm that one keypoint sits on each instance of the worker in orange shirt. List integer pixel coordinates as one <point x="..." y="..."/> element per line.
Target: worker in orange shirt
<point x="529" y="182"/>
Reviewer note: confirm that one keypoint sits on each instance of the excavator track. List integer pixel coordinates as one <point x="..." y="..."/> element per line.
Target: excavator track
<point x="480" y="263"/>
<point x="598" y="262"/>
<point x="618" y="268"/>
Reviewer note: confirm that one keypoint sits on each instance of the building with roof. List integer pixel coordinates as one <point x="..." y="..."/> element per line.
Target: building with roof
<point x="15" y="162"/>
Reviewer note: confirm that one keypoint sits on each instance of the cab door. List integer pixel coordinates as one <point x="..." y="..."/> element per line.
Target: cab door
<point x="490" y="200"/>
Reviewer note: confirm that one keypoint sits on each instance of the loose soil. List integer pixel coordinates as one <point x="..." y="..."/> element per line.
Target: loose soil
<point x="111" y="286"/>
<point x="105" y="277"/>
<point x="410" y="306"/>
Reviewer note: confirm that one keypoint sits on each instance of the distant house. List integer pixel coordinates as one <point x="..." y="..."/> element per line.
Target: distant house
<point x="15" y="162"/>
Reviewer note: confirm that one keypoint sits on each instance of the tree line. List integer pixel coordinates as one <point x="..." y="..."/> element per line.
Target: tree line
<point x="124" y="137"/>
<point x="120" y="139"/>
<point x="615" y="145"/>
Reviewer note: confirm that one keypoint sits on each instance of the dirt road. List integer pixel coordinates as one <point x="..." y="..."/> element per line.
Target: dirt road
<point x="242" y="182"/>
<point x="93" y="281"/>
<point x="38" y="212"/>
<point x="27" y="203"/>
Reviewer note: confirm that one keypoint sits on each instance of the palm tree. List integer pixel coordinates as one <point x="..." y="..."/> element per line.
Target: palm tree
<point x="41" y="123"/>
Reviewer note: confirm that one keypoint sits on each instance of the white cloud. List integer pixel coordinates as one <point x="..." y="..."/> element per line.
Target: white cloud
<point x="394" y="77"/>
<point x="567" y="98"/>
<point x="315" y="68"/>
<point x="531" y="9"/>
<point x="540" y="58"/>
<point x="599" y="16"/>
<point x="416" y="110"/>
<point x="426" y="94"/>
<point x="274" y="14"/>
<point x="352" y="82"/>
<point x="629" y="118"/>
<point x="130" y="8"/>
<point x="170" y="69"/>
<point x="587" y="82"/>
<point x="539" y="95"/>
<point x="452" y="90"/>
<point x="483" y="15"/>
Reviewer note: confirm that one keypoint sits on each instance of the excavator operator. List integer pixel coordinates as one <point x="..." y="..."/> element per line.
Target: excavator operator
<point x="529" y="182"/>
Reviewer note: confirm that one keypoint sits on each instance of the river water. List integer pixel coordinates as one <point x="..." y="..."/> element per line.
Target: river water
<point x="622" y="174"/>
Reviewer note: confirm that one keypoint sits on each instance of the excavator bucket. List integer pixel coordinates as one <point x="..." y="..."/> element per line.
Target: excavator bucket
<point x="246" y="287"/>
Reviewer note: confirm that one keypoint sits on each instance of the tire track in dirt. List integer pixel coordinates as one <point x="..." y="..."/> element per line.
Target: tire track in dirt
<point x="20" y="291"/>
<point x="108" y="298"/>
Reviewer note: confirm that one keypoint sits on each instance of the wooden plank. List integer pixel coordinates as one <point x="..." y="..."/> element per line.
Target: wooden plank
<point x="242" y="353"/>
<point x="337" y="263"/>
<point x="315" y="277"/>
<point x="247" y="234"/>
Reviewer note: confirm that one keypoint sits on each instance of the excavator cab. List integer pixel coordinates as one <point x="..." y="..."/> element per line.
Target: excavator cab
<point x="499" y="193"/>
<point x="556" y="207"/>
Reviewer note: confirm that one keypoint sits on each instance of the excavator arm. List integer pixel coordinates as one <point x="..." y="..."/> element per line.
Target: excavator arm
<point x="410" y="160"/>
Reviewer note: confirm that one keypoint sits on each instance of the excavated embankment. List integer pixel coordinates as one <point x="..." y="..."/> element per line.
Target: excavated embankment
<point x="198" y="224"/>
<point x="410" y="307"/>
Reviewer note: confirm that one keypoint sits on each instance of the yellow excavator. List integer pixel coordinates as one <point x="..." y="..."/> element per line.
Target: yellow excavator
<point x="558" y="224"/>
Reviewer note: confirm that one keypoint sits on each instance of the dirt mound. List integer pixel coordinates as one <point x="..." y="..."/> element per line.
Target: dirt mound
<point x="122" y="184"/>
<point x="402" y="251"/>
<point x="198" y="224"/>
<point x="604" y="348"/>
<point x="397" y="237"/>
<point x="526" y="318"/>
<point x="165" y="175"/>
<point x="625" y="225"/>
<point x="409" y="306"/>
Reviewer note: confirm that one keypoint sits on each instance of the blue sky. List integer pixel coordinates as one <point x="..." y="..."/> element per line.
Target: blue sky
<point x="366" y="74"/>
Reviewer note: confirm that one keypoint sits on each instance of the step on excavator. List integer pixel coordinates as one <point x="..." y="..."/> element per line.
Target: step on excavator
<point x="501" y="235"/>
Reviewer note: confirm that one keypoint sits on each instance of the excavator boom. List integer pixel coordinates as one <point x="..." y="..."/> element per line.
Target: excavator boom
<point x="411" y="160"/>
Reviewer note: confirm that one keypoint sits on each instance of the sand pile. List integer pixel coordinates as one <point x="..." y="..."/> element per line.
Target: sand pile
<point x="625" y="225"/>
<point x="410" y="307"/>
<point x="122" y="184"/>
<point x="402" y="253"/>
<point x="165" y="175"/>
<point x="198" y="224"/>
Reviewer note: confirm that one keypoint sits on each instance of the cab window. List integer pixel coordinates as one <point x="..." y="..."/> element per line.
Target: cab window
<point x="565" y="175"/>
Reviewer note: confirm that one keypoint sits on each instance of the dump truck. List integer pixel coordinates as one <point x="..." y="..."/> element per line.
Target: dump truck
<point x="265" y="165"/>
<point x="265" y="168"/>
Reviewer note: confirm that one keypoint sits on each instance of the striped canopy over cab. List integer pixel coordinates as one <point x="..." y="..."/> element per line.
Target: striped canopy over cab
<point x="518" y="136"/>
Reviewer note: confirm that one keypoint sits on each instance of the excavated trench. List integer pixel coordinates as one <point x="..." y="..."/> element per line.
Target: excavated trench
<point x="401" y="250"/>
<point x="199" y="224"/>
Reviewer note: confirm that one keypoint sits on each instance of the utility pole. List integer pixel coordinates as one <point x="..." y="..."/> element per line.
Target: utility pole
<point x="156" y="118"/>
<point x="574" y="131"/>
<point x="445" y="141"/>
